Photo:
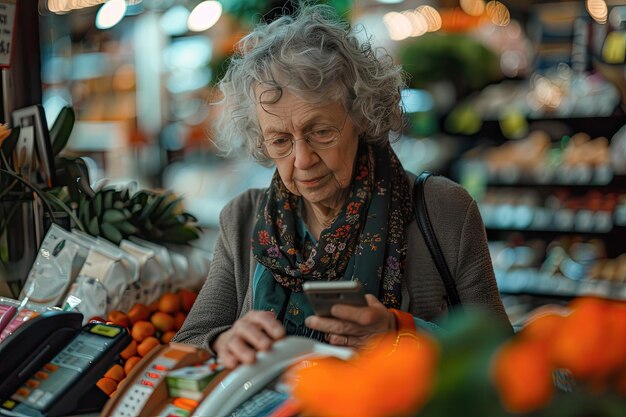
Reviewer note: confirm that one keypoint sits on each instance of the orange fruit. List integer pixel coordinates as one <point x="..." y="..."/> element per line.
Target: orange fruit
<point x="138" y="312"/>
<point x="118" y="317"/>
<point x="147" y="345"/>
<point x="179" y="319"/>
<point x="154" y="306"/>
<point x="130" y="364"/>
<point x="162" y="321"/>
<point x="141" y="330"/>
<point x="515" y="365"/>
<point x="116" y="373"/>
<point x="167" y="336"/>
<point x="107" y="385"/>
<point x="582" y="335"/>
<point x="120" y="385"/>
<point x="543" y="328"/>
<point x="129" y="350"/>
<point x="169" y="303"/>
<point x="187" y="298"/>
<point x="395" y="377"/>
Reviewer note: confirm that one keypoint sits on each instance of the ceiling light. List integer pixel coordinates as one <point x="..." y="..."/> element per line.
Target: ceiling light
<point x="204" y="15"/>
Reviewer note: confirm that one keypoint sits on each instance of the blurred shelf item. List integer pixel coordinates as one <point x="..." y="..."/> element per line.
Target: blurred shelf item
<point x="581" y="176"/>
<point x="564" y="221"/>
<point x="531" y="281"/>
<point x="209" y="183"/>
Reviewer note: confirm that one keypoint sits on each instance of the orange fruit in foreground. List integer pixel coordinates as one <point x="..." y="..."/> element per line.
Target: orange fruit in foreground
<point x="523" y="376"/>
<point x="179" y="319"/>
<point x="543" y="328"/>
<point x="581" y="336"/>
<point x="116" y="373"/>
<point x="167" y="336"/>
<point x="395" y="377"/>
<point x="118" y="317"/>
<point x="147" y="345"/>
<point x="129" y="350"/>
<point x="107" y="385"/>
<point x="162" y="321"/>
<point x="187" y="298"/>
<point x="169" y="303"/>
<point x="138" y="312"/>
<point x="130" y="364"/>
<point x="141" y="330"/>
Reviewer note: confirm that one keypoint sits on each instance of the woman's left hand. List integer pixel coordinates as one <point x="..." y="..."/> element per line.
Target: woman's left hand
<point x="354" y="326"/>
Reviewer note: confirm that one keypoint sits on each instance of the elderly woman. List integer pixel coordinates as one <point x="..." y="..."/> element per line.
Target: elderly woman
<point x="310" y="98"/>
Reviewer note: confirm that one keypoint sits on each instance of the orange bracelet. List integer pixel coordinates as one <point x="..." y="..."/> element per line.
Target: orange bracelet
<point x="404" y="320"/>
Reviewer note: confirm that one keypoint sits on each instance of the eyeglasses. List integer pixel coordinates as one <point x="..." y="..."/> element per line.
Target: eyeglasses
<point x="319" y="138"/>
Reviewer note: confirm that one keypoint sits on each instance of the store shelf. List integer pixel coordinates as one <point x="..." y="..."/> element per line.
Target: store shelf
<point x="531" y="281"/>
<point x="557" y="177"/>
<point x="540" y="219"/>
<point x="595" y="126"/>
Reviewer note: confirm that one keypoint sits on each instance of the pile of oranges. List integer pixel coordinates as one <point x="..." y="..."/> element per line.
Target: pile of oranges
<point x="149" y="326"/>
<point x="588" y="340"/>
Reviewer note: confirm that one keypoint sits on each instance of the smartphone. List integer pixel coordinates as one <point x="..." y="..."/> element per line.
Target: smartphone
<point x="324" y="294"/>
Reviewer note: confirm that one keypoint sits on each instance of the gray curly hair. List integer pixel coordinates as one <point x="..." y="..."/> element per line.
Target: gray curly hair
<point x="319" y="58"/>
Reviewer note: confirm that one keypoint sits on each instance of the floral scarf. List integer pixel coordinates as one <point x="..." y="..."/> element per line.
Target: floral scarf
<point x="365" y="242"/>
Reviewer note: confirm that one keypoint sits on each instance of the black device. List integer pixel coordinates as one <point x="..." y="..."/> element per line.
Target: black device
<point x="67" y="383"/>
<point x="324" y="294"/>
<point x="32" y="345"/>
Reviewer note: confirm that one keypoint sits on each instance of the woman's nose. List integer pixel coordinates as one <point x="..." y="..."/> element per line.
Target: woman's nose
<point x="305" y="156"/>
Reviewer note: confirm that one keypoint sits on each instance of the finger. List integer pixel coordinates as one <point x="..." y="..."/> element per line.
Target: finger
<point x="363" y="316"/>
<point x="243" y="352"/>
<point x="254" y="336"/>
<point x="372" y="301"/>
<point x="338" y="339"/>
<point x="227" y="360"/>
<point x="347" y="340"/>
<point x="331" y="325"/>
<point x="267" y="321"/>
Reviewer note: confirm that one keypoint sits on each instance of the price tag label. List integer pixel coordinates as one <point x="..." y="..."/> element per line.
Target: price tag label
<point x="7" y="24"/>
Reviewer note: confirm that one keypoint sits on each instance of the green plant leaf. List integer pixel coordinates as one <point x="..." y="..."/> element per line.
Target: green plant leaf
<point x="168" y="211"/>
<point x="93" y="227"/>
<point x="181" y="234"/>
<point x="97" y="204"/>
<point x="108" y="199"/>
<point x="113" y="216"/>
<point x="59" y="203"/>
<point x="111" y="233"/>
<point x="149" y="208"/>
<point x="61" y="129"/>
<point x="127" y="228"/>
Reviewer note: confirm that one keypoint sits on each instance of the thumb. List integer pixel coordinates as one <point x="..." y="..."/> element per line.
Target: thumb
<point x="372" y="301"/>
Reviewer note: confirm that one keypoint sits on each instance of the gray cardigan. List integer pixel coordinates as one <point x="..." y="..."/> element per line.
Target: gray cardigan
<point x="227" y="292"/>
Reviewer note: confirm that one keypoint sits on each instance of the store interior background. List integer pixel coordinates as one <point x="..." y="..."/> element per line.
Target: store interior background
<point x="520" y="101"/>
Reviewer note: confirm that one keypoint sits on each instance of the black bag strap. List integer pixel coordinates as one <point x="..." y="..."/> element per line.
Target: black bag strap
<point x="423" y="221"/>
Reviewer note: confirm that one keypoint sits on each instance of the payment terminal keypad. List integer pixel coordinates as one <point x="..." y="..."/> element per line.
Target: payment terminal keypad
<point x="262" y="404"/>
<point x="139" y="394"/>
<point x="63" y="370"/>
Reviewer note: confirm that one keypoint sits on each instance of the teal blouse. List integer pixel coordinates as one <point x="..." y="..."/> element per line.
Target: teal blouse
<point x="306" y="235"/>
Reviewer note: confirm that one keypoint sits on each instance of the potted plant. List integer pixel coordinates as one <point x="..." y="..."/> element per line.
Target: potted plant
<point x="114" y="214"/>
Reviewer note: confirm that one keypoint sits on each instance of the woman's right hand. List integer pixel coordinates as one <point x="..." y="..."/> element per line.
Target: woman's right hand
<point x="256" y="331"/>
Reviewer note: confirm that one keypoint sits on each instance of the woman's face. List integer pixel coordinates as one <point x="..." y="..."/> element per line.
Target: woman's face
<point x="319" y="176"/>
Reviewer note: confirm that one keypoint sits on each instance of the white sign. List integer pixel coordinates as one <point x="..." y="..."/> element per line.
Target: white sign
<point x="7" y="24"/>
